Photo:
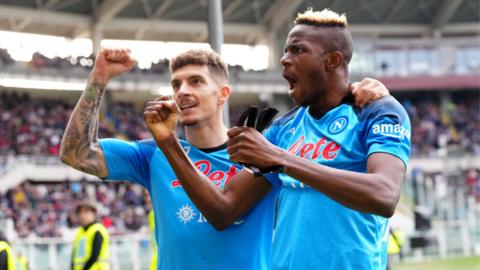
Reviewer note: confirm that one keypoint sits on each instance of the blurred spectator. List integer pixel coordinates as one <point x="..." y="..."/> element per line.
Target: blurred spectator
<point x="47" y="209"/>
<point x="5" y="58"/>
<point x="458" y="125"/>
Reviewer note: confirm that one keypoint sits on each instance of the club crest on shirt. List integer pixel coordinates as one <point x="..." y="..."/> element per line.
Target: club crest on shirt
<point x="338" y="125"/>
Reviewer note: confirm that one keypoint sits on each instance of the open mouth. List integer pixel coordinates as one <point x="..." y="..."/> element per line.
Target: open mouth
<point x="291" y="80"/>
<point x="187" y="106"/>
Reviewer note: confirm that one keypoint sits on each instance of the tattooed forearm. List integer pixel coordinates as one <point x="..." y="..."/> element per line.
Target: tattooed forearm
<point x="79" y="147"/>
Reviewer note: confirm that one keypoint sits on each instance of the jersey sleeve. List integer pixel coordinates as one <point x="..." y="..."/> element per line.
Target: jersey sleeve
<point x="128" y="160"/>
<point x="388" y="129"/>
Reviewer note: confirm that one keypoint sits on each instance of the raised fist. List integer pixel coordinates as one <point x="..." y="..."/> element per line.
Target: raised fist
<point x="113" y="62"/>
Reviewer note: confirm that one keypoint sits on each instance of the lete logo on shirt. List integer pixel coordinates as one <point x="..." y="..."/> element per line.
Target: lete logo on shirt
<point x="391" y="130"/>
<point x="328" y="150"/>
<point x="218" y="178"/>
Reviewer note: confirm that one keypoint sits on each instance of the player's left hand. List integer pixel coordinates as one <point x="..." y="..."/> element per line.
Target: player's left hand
<point x="367" y="90"/>
<point x="247" y="145"/>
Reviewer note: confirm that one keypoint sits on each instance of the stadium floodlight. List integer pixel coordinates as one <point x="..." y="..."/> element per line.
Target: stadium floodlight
<point x="41" y="84"/>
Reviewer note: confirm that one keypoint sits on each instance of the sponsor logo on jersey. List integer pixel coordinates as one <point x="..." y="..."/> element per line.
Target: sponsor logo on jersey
<point x="323" y="148"/>
<point x="338" y="125"/>
<point x="186" y="213"/>
<point x="219" y="178"/>
<point x="391" y="130"/>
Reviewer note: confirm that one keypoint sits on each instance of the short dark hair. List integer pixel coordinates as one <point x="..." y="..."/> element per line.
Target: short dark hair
<point x="207" y="58"/>
<point x="334" y="30"/>
<point x="86" y="205"/>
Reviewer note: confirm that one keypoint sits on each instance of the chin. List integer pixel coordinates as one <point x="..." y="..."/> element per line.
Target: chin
<point x="188" y="122"/>
<point x="299" y="102"/>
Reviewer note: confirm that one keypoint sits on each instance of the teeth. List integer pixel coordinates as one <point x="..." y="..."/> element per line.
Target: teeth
<point x="187" y="106"/>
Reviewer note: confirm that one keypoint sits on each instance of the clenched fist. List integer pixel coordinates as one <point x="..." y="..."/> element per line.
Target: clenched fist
<point x="161" y="116"/>
<point x="111" y="63"/>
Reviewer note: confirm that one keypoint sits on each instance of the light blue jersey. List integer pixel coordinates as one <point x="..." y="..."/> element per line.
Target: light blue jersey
<point x="314" y="231"/>
<point x="185" y="239"/>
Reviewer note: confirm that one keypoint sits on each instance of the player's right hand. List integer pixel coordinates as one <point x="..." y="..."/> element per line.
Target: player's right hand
<point x="161" y="116"/>
<point x="112" y="62"/>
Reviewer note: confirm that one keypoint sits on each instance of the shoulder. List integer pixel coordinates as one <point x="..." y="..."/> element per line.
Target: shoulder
<point x="98" y="227"/>
<point x="118" y="144"/>
<point x="147" y="143"/>
<point x="385" y="106"/>
<point x="146" y="147"/>
<point x="287" y="117"/>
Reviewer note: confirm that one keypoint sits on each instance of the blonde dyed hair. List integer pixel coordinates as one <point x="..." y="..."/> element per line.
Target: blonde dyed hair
<point x="333" y="30"/>
<point x="325" y="17"/>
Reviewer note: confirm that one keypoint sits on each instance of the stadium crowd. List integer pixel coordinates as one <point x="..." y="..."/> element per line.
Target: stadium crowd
<point x="31" y="126"/>
<point x="47" y="209"/>
<point x="34" y="126"/>
<point x="457" y="128"/>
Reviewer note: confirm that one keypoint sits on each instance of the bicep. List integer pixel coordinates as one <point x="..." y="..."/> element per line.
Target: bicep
<point x="388" y="168"/>
<point x="244" y="191"/>
<point x="95" y="163"/>
<point x="91" y="160"/>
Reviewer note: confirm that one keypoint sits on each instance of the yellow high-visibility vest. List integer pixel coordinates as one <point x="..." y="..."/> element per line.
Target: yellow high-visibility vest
<point x="22" y="262"/>
<point x="82" y="248"/>
<point x="153" y="242"/>
<point x="4" y="246"/>
<point x="394" y="244"/>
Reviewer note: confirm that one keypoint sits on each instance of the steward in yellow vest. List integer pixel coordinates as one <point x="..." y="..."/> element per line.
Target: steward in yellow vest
<point x="91" y="244"/>
<point x="22" y="262"/>
<point x="395" y="242"/>
<point x="7" y="261"/>
<point x="153" y="242"/>
<point x="394" y="250"/>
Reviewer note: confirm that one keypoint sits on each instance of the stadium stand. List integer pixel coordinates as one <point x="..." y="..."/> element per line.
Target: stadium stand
<point x="47" y="209"/>
<point x="35" y="126"/>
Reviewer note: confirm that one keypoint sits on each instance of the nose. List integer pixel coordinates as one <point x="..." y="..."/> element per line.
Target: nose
<point x="184" y="89"/>
<point x="285" y="60"/>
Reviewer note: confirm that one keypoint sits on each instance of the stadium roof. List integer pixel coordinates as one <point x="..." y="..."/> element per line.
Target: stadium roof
<point x="245" y="21"/>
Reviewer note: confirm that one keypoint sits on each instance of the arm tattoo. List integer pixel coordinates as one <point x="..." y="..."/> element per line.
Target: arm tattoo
<point x="79" y="144"/>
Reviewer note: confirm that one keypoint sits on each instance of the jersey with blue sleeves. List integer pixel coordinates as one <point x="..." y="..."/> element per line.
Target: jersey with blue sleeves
<point x="185" y="239"/>
<point x="314" y="231"/>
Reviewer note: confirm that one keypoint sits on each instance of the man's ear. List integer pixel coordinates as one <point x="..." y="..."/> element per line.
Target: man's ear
<point x="334" y="60"/>
<point x="224" y="94"/>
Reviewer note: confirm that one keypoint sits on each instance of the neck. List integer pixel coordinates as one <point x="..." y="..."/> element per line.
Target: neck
<point x="88" y="224"/>
<point x="207" y="135"/>
<point x="332" y="97"/>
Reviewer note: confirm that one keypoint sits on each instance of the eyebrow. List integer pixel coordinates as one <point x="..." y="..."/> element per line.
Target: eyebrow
<point x="293" y="43"/>
<point x="192" y="76"/>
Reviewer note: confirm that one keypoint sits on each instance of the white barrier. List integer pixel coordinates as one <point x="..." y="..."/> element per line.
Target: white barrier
<point x="128" y="252"/>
